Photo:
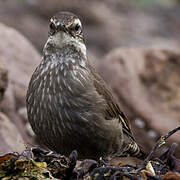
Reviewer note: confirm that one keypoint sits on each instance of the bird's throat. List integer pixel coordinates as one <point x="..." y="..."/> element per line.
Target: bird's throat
<point x="63" y="42"/>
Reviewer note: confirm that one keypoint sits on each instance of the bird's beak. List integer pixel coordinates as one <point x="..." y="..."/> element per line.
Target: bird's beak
<point x="58" y="25"/>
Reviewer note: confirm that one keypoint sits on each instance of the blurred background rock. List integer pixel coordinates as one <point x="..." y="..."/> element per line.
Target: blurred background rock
<point x="134" y="44"/>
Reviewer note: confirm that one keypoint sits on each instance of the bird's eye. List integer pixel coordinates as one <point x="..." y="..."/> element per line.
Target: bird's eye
<point x="77" y="27"/>
<point x="52" y="26"/>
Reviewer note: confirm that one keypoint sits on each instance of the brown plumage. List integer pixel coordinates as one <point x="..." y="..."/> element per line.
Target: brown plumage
<point x="69" y="105"/>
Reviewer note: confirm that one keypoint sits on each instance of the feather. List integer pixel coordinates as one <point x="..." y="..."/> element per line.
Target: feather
<point x="112" y="111"/>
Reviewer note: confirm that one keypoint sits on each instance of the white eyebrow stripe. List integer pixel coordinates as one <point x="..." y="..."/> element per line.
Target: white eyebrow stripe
<point x="77" y="21"/>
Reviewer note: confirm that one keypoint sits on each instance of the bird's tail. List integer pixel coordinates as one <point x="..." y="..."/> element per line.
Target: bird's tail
<point x="134" y="150"/>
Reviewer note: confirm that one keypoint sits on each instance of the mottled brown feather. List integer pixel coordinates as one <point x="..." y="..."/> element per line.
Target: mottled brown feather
<point x="113" y="110"/>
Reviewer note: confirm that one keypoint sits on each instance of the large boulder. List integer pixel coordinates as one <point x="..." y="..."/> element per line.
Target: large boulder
<point x="147" y="84"/>
<point x="106" y="25"/>
<point x="3" y="79"/>
<point x="10" y="138"/>
<point x="20" y="57"/>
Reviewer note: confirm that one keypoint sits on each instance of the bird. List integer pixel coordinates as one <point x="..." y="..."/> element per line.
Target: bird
<point x="69" y="105"/>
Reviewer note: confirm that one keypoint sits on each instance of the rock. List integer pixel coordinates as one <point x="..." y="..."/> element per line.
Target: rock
<point x="10" y="138"/>
<point x="106" y="25"/>
<point x="147" y="84"/>
<point x="8" y="107"/>
<point x="29" y="130"/>
<point x="20" y="57"/>
<point x="3" y="79"/>
<point x="23" y="113"/>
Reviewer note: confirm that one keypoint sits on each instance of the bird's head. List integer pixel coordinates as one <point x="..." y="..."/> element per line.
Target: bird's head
<point x="66" y="29"/>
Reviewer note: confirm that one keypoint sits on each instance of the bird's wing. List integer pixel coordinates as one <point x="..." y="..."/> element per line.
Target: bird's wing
<point x="112" y="111"/>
